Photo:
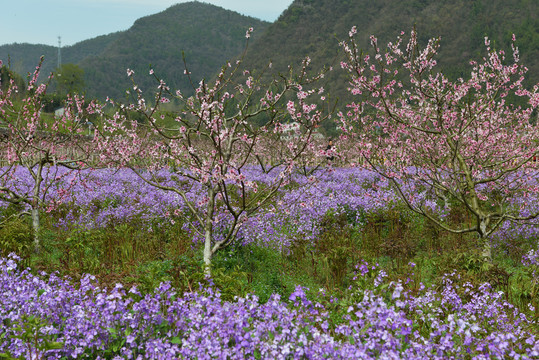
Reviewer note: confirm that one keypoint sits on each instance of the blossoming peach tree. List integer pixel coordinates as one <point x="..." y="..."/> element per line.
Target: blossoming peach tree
<point x="31" y="145"/>
<point x="442" y="142"/>
<point x="213" y="141"/>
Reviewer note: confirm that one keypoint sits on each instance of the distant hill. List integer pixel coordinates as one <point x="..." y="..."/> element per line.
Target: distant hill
<point x="25" y="57"/>
<point x="313" y="27"/>
<point x="207" y="34"/>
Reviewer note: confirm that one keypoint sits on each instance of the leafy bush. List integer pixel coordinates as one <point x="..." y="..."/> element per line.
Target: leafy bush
<point x="16" y="236"/>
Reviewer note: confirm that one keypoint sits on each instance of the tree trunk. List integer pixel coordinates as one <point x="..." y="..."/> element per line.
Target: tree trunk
<point x="208" y="231"/>
<point x="207" y="251"/>
<point x="36" y="228"/>
<point x="38" y="178"/>
<point x="486" y="252"/>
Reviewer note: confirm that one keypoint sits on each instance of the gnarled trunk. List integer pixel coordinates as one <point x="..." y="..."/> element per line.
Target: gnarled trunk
<point x="484" y="241"/>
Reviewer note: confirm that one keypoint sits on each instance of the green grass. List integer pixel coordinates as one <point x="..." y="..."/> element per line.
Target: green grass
<point x="132" y="255"/>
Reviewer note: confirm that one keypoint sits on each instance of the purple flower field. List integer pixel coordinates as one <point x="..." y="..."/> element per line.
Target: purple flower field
<point x="99" y="198"/>
<point x="47" y="317"/>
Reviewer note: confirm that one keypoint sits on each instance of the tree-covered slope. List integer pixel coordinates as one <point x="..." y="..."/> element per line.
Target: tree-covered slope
<point x="208" y="36"/>
<point x="23" y="58"/>
<point x="313" y="28"/>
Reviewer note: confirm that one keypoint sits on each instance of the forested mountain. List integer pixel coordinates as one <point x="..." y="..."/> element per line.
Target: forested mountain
<point x="24" y="58"/>
<point x="209" y="36"/>
<point x="314" y="27"/>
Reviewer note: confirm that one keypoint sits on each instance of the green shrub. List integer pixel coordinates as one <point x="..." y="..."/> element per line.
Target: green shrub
<point x="16" y="236"/>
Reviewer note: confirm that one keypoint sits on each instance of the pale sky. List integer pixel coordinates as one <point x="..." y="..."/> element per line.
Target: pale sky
<point x="42" y="21"/>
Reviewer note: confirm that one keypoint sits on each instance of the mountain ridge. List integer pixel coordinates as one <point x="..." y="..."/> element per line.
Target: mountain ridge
<point x="461" y="24"/>
<point x="209" y="36"/>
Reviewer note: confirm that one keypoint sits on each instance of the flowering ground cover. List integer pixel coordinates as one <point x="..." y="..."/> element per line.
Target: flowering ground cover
<point x="371" y="312"/>
<point x="48" y="317"/>
<point x="99" y="198"/>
